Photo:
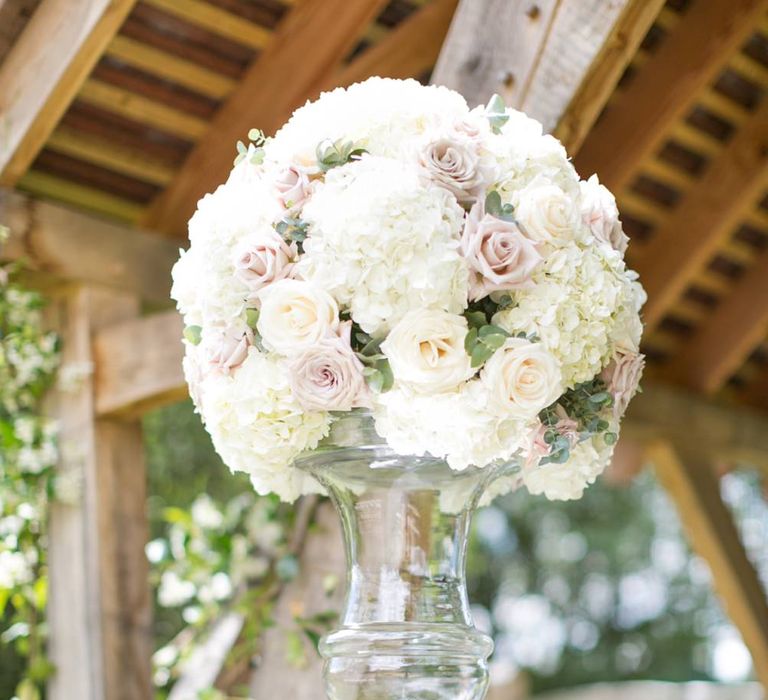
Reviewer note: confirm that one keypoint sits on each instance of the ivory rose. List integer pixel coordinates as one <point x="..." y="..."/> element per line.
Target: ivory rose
<point x="293" y="187"/>
<point x="328" y="376"/>
<point x="546" y="213"/>
<point x="622" y="377"/>
<point x="229" y="348"/>
<point x="601" y="215"/>
<point x="499" y="255"/>
<point x="263" y="258"/>
<point x="454" y="163"/>
<point x="426" y="351"/>
<point x="295" y="314"/>
<point x="522" y="378"/>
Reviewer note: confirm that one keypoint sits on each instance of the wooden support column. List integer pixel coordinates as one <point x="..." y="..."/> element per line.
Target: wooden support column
<point x="100" y="604"/>
<point x="712" y="533"/>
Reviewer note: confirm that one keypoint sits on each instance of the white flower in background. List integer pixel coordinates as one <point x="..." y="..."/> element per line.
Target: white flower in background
<point x="601" y="215"/>
<point x="426" y="351"/>
<point x="296" y="314"/>
<point x="565" y="482"/>
<point x="547" y="214"/>
<point x="205" y="513"/>
<point x="521" y="378"/>
<point x="173" y="591"/>
<point x="383" y="243"/>
<point x="258" y="426"/>
<point x="14" y="569"/>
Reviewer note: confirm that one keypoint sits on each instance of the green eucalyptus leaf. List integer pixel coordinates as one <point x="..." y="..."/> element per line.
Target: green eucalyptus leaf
<point x="470" y="340"/>
<point x="475" y="319"/>
<point x="494" y="342"/>
<point x="493" y="330"/>
<point x="193" y="334"/>
<point x="252" y="317"/>
<point x="480" y="353"/>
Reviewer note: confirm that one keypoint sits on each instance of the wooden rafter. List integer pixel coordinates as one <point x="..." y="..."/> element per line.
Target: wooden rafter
<point x="407" y="51"/>
<point x="711" y="531"/>
<point x="265" y="97"/>
<point x="666" y="88"/>
<point x="703" y="221"/>
<point x="44" y="71"/>
<point x="727" y="338"/>
<point x="62" y="244"/>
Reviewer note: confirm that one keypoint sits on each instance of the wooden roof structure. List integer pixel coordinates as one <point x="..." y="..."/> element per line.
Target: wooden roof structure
<point x="117" y="115"/>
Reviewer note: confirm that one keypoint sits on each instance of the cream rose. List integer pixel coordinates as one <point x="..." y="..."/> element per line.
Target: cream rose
<point x="601" y="215"/>
<point x="293" y="187"/>
<point x="622" y="377"/>
<point x="426" y="351"/>
<point x="546" y="213"/>
<point x="262" y="259"/>
<point x="328" y="376"/>
<point x="522" y="378"/>
<point x="454" y="163"/>
<point x="296" y="314"/>
<point x="499" y="255"/>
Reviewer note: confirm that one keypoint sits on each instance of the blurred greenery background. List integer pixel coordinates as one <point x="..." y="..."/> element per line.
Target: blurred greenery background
<point x="601" y="589"/>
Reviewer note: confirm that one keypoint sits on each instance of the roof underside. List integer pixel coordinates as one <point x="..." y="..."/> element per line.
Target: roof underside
<point x="173" y="63"/>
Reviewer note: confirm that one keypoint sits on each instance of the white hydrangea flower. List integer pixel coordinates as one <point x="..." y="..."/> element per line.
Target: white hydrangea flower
<point x="572" y="308"/>
<point x="383" y="242"/>
<point x="454" y="425"/>
<point x="565" y="482"/>
<point x="258" y="427"/>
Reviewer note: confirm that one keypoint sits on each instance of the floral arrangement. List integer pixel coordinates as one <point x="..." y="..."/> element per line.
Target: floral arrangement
<point x="29" y="358"/>
<point x="390" y="249"/>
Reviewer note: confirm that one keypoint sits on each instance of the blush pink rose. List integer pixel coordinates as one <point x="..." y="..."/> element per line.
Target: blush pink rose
<point x="229" y="350"/>
<point x="622" y="377"/>
<point x="601" y="215"/>
<point x="454" y="163"/>
<point x="293" y="187"/>
<point x="538" y="447"/>
<point x="499" y="254"/>
<point x="262" y="259"/>
<point x="328" y="376"/>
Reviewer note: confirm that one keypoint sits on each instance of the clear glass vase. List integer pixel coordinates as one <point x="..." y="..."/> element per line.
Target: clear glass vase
<point x="406" y="629"/>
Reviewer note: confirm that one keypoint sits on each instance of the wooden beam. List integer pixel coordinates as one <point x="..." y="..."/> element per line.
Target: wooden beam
<point x="265" y="98"/>
<point x="621" y="42"/>
<point x="726" y="339"/>
<point x="711" y="531"/>
<point x="100" y="605"/>
<point x="130" y="382"/>
<point x="562" y="51"/>
<point x="704" y="220"/>
<point x="666" y="88"/>
<point x="44" y="71"/>
<point x="60" y="243"/>
<point x="407" y="51"/>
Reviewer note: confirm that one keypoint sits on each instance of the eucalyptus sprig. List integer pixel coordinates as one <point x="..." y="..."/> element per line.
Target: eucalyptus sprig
<point x="496" y="113"/>
<point x="376" y="369"/>
<point x="256" y="139"/>
<point x="494" y="207"/>
<point x="483" y="339"/>
<point x="293" y="230"/>
<point x="332" y="154"/>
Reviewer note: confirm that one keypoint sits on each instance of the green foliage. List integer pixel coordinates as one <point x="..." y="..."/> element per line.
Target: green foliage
<point x="293" y="230"/>
<point x="496" y="112"/>
<point x="193" y="334"/>
<point x="332" y="154"/>
<point x="494" y="207"/>
<point x="28" y="360"/>
<point x="254" y="150"/>
<point x="376" y="370"/>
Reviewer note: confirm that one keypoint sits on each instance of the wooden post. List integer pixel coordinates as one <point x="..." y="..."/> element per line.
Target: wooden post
<point x="100" y="605"/>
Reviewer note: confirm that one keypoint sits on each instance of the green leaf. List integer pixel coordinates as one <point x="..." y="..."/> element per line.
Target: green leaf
<point x="493" y="203"/>
<point x="610" y="438"/>
<point x="496" y="112"/>
<point x="27" y="690"/>
<point x="252" y="317"/>
<point x="470" y="341"/>
<point x="294" y="650"/>
<point x="374" y="378"/>
<point x="494" y="342"/>
<point x="193" y="334"/>
<point x="493" y="330"/>
<point x="388" y="378"/>
<point x="475" y="319"/>
<point x="287" y="568"/>
<point x="480" y="353"/>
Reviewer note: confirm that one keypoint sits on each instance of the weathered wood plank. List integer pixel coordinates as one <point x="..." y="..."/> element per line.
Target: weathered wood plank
<point x="44" y="71"/>
<point x="667" y="87"/>
<point x="64" y="244"/>
<point x="100" y="606"/>
<point x="265" y="98"/>
<point x="711" y="531"/>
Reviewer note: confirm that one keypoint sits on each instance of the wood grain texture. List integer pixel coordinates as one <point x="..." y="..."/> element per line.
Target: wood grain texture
<point x="702" y="222"/>
<point x="44" y="71"/>
<point x="100" y="606"/>
<point x="695" y="490"/>
<point x="265" y="99"/>
<point x="666" y="88"/>
<point x="68" y="245"/>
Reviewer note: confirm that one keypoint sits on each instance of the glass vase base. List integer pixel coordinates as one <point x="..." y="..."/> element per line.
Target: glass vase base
<point x="406" y="661"/>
